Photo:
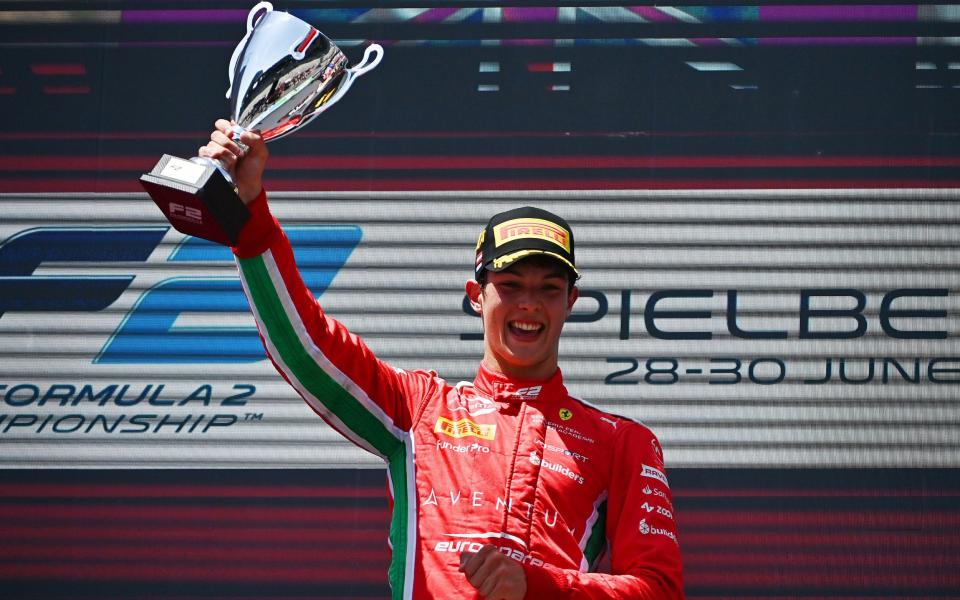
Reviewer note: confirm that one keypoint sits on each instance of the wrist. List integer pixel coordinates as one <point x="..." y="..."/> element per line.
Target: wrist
<point x="250" y="192"/>
<point x="542" y="581"/>
<point x="260" y="232"/>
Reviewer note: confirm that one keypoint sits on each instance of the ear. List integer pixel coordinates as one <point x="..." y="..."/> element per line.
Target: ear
<point x="574" y="294"/>
<point x="474" y="294"/>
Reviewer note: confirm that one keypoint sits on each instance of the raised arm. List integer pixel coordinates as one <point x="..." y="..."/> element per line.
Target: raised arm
<point x="366" y="400"/>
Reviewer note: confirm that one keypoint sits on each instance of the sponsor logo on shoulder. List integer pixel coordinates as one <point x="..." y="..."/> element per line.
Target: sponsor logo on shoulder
<point x="655" y="473"/>
<point x="462" y="428"/>
<point x="657" y="451"/>
<point x="566" y="414"/>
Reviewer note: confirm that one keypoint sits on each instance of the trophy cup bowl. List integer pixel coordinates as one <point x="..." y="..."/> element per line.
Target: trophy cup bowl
<point x="283" y="74"/>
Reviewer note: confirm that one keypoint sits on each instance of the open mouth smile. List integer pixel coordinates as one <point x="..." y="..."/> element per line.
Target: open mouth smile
<point x="525" y="329"/>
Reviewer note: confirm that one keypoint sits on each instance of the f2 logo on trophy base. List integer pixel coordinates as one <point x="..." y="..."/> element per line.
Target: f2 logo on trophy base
<point x="179" y="211"/>
<point x="198" y="200"/>
<point x="283" y="74"/>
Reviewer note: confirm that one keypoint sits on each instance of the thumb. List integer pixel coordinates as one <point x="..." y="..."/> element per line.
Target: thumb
<point x="465" y="558"/>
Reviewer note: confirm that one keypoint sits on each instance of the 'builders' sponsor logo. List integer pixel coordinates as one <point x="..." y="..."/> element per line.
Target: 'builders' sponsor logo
<point x="462" y="428"/>
<point x="556" y="467"/>
<point x="647" y="529"/>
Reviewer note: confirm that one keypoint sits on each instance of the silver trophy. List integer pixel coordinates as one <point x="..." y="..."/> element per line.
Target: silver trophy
<point x="283" y="73"/>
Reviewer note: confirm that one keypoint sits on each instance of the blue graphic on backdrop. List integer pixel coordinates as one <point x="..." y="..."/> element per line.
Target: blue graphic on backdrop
<point x="20" y="256"/>
<point x="149" y="335"/>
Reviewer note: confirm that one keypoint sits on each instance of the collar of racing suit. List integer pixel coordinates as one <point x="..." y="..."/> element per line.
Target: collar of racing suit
<point x="504" y="389"/>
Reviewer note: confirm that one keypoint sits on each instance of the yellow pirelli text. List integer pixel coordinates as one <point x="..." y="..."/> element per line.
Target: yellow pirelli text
<point x="531" y="228"/>
<point x="464" y="428"/>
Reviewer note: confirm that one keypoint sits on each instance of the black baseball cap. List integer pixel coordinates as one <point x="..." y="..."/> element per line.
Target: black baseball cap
<point x="522" y="232"/>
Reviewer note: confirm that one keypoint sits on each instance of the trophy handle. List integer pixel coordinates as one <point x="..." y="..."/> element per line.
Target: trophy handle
<point x="368" y="64"/>
<point x="253" y="17"/>
<point x="256" y="13"/>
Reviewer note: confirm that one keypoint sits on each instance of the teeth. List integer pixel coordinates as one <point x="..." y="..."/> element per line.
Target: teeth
<point x="527" y="326"/>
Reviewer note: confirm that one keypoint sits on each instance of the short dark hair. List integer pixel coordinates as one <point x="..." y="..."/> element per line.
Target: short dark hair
<point x="539" y="260"/>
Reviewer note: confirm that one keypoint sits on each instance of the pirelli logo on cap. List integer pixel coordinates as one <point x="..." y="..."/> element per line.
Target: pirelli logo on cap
<point x="464" y="428"/>
<point x="516" y="229"/>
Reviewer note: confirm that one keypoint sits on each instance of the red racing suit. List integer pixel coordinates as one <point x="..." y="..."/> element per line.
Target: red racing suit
<point x="548" y="479"/>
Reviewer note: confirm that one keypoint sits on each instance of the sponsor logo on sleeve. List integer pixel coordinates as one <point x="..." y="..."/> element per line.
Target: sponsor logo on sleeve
<point x="657" y="451"/>
<point x="657" y="492"/>
<point x="655" y="473"/>
<point x="660" y="510"/>
<point x="647" y="529"/>
<point x="462" y="428"/>
<point x="566" y="414"/>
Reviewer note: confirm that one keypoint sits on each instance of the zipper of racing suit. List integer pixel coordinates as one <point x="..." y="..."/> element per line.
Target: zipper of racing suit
<point x="528" y="490"/>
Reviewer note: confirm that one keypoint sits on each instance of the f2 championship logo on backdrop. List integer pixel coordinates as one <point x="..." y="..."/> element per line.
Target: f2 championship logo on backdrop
<point x="148" y="333"/>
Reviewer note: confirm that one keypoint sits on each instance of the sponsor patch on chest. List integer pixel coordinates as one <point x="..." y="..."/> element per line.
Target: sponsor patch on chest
<point x="462" y="428"/>
<point x="472" y="405"/>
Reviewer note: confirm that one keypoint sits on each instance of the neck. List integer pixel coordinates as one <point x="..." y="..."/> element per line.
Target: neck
<point x="538" y="372"/>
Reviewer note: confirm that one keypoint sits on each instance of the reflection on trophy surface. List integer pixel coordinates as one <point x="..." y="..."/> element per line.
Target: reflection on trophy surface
<point x="283" y="73"/>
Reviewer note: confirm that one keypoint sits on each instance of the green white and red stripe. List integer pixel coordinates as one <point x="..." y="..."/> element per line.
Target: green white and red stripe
<point x="337" y="390"/>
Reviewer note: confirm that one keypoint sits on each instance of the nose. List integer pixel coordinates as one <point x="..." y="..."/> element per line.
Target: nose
<point x="528" y="300"/>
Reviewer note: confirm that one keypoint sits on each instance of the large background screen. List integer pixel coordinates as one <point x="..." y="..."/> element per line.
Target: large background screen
<point x="765" y="199"/>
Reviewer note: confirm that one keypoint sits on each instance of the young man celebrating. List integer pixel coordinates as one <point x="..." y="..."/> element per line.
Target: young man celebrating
<point x="504" y="488"/>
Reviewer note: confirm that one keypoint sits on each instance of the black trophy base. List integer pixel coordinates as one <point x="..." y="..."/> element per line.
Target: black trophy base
<point x="197" y="199"/>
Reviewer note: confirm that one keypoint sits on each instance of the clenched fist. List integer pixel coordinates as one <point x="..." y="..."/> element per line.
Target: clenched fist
<point x="495" y="575"/>
<point x="245" y="161"/>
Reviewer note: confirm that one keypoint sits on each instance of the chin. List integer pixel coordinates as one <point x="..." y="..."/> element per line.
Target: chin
<point x="526" y="361"/>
